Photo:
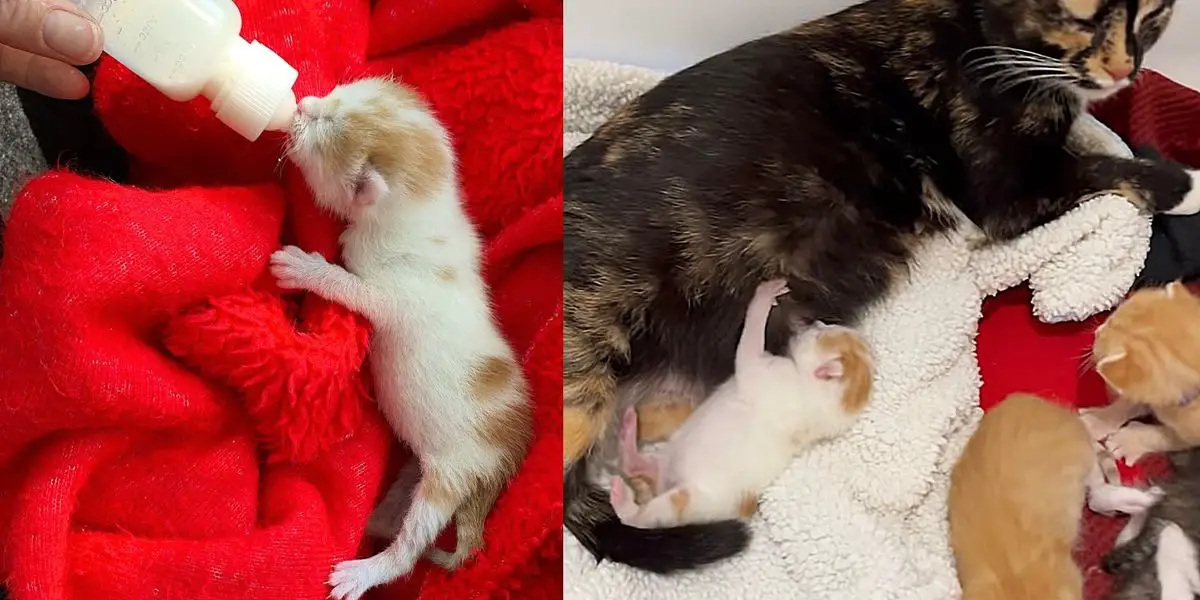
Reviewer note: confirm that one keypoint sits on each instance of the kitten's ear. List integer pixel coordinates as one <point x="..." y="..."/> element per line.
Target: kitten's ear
<point x="1116" y="369"/>
<point x="370" y="187"/>
<point x="1177" y="289"/>
<point x="830" y="369"/>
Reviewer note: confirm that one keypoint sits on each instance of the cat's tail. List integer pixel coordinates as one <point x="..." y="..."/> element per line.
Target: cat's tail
<point x="589" y="516"/>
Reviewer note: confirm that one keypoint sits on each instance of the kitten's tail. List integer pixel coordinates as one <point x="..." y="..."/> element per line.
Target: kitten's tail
<point x="589" y="516"/>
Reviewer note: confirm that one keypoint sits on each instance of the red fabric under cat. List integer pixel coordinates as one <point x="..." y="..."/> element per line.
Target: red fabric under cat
<point x="149" y="365"/>
<point x="1018" y="353"/>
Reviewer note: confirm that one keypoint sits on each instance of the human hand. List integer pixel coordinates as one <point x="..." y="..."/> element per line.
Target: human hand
<point x="40" y="40"/>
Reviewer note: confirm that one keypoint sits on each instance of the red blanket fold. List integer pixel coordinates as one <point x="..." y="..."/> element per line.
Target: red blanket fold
<point x="174" y="428"/>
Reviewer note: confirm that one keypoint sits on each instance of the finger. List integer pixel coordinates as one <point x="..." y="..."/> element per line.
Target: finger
<point x="51" y="28"/>
<point x="42" y="75"/>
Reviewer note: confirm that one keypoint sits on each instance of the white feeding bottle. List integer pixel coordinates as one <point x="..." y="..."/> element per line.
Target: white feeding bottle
<point x="186" y="48"/>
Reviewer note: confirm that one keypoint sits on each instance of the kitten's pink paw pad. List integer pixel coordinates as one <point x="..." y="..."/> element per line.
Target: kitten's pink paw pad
<point x="296" y="269"/>
<point x="352" y="578"/>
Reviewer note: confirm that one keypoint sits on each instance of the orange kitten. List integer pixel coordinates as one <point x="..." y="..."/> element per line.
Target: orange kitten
<point x="1016" y="496"/>
<point x="1148" y="351"/>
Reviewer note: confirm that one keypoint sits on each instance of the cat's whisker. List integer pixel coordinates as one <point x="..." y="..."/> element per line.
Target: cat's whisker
<point x="1009" y="50"/>
<point x="1000" y="75"/>
<point x="1032" y="79"/>
<point x="1007" y="63"/>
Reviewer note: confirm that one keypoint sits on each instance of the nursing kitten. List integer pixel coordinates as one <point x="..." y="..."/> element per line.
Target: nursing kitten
<point x="1160" y="558"/>
<point x="1016" y="497"/>
<point x="777" y="406"/>
<point x="1148" y="351"/>
<point x="823" y="155"/>
<point x="445" y="378"/>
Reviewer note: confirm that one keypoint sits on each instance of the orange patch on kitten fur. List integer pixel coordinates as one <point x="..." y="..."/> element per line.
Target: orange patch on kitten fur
<point x="748" y="505"/>
<point x="856" y="365"/>
<point x="1016" y="497"/>
<point x="401" y="151"/>
<point x="493" y="375"/>
<point x="1149" y="348"/>
<point x="680" y="500"/>
<point x="656" y="422"/>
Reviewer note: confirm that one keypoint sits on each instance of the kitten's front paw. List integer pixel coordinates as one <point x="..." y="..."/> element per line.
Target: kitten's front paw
<point x="296" y="269"/>
<point x="770" y="290"/>
<point x="1131" y="442"/>
<point x="352" y="578"/>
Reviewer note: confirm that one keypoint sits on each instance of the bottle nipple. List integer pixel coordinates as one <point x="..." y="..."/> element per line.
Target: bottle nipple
<point x="251" y="89"/>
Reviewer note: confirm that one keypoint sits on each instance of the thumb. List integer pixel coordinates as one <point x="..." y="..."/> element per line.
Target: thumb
<point x="51" y="28"/>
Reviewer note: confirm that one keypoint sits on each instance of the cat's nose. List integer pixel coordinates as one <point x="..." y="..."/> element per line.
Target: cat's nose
<point x="309" y="106"/>
<point x="1119" y="72"/>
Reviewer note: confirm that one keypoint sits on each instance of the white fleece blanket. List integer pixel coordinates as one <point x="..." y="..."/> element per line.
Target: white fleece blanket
<point x="863" y="516"/>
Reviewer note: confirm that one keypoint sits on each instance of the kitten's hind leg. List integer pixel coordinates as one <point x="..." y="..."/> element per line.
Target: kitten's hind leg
<point x="468" y="526"/>
<point x="633" y="462"/>
<point x="1106" y="498"/>
<point x="665" y="510"/>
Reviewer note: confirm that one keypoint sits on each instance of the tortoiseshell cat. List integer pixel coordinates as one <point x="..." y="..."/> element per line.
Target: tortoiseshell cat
<point x="821" y="155"/>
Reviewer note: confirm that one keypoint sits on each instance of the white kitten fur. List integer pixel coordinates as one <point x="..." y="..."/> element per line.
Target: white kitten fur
<point x="1175" y="561"/>
<point x="445" y="378"/>
<point x="739" y="440"/>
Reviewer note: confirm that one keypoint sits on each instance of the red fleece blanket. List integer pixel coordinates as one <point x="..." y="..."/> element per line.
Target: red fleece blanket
<point x="1018" y="353"/>
<point x="173" y="426"/>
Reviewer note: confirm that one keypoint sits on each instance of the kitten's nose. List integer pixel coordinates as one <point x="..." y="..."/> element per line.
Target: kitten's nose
<point x="308" y="106"/>
<point x="1119" y="72"/>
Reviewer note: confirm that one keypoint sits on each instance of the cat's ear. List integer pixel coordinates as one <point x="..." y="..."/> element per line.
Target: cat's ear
<point x="1115" y="369"/>
<point x="370" y="187"/>
<point x="830" y="369"/>
<point x="1177" y="289"/>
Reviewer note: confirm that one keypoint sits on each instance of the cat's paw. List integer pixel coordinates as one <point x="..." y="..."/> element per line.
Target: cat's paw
<point x="770" y="290"/>
<point x="622" y="499"/>
<point x="1190" y="204"/>
<point x="297" y="269"/>
<point x="1131" y="442"/>
<point x="352" y="578"/>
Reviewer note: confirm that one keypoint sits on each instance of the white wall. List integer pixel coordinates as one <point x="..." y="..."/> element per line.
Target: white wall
<point x="672" y="34"/>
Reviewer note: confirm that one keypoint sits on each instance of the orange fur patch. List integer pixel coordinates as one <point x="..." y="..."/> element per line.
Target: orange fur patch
<point x="447" y="274"/>
<point x="857" y="366"/>
<point x="747" y="505"/>
<point x="643" y="488"/>
<point x="1082" y="9"/>
<point x="438" y="491"/>
<point x="1149" y="348"/>
<point x="510" y="431"/>
<point x="1016" y="498"/>
<point x="413" y="153"/>
<point x="656" y="422"/>
<point x="680" y="500"/>
<point x="438" y="240"/>
<point x="494" y="375"/>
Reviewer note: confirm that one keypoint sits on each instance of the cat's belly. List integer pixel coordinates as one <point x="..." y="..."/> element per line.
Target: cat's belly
<point x="698" y="342"/>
